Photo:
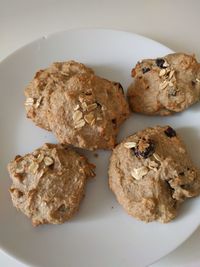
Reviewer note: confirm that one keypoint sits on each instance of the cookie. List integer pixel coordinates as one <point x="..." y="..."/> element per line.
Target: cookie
<point x="48" y="184"/>
<point x="80" y="109"/>
<point x="165" y="85"/>
<point x="39" y="90"/>
<point x="151" y="173"/>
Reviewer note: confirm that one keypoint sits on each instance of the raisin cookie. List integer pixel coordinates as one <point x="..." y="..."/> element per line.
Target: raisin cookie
<point x="48" y="184"/>
<point x="79" y="107"/>
<point x="165" y="85"/>
<point x="151" y="173"/>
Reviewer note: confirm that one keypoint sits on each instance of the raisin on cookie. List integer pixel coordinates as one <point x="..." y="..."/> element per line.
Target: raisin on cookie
<point x="48" y="184"/>
<point x="151" y="173"/>
<point x="165" y="85"/>
<point x="79" y="107"/>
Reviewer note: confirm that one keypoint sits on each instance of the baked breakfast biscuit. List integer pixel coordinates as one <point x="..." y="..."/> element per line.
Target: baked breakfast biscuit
<point x="79" y="107"/>
<point x="39" y="90"/>
<point x="165" y="85"/>
<point x="48" y="184"/>
<point x="151" y="173"/>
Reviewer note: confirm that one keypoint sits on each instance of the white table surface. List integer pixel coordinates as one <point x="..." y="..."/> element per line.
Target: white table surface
<point x="174" y="23"/>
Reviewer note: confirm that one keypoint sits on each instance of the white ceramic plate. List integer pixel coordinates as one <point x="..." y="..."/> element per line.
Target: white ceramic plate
<point x="101" y="234"/>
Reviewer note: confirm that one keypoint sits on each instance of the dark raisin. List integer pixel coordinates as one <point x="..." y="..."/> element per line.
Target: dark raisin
<point x="145" y="69"/>
<point x="98" y="104"/>
<point x="193" y="83"/>
<point x="147" y="151"/>
<point x="160" y="62"/>
<point x="88" y="93"/>
<point x="114" y="121"/>
<point x="181" y="173"/>
<point x="170" y="132"/>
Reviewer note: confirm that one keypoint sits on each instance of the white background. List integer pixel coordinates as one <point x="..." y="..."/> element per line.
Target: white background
<point x="173" y="23"/>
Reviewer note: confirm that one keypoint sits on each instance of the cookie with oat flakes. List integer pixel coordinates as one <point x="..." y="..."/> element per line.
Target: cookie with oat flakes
<point x="49" y="183"/>
<point x="151" y="173"/>
<point x="165" y="85"/>
<point x="45" y="81"/>
<point x="80" y="109"/>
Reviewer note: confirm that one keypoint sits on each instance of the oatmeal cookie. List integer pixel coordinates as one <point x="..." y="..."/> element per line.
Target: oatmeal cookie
<point x="151" y="173"/>
<point x="165" y="85"/>
<point x="48" y="184"/>
<point x="39" y="90"/>
<point x="80" y="108"/>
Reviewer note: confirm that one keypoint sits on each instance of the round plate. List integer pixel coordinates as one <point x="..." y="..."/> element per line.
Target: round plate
<point x="101" y="234"/>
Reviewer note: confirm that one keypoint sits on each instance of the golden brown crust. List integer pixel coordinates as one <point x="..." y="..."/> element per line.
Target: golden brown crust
<point x="151" y="173"/>
<point x="164" y="89"/>
<point x="48" y="184"/>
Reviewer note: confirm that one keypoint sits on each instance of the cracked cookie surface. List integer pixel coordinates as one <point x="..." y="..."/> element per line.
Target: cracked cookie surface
<point x="48" y="184"/>
<point x="165" y="85"/>
<point x="151" y="173"/>
<point x="79" y="107"/>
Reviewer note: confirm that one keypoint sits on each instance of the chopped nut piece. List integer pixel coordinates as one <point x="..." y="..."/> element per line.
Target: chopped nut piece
<point x="91" y="107"/>
<point x="77" y="115"/>
<point x="139" y="172"/>
<point x="33" y="167"/>
<point x="79" y="124"/>
<point x="29" y="101"/>
<point x="198" y="80"/>
<point x="48" y="161"/>
<point x="130" y="144"/>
